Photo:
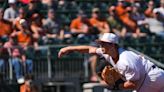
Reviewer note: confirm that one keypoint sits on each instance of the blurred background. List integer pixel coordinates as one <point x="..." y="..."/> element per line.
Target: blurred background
<point x="33" y="31"/>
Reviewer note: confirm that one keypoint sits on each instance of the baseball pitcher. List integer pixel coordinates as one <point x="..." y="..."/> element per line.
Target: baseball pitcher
<point x="134" y="70"/>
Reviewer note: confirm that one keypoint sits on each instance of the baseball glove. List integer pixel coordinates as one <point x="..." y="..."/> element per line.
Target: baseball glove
<point x="110" y="75"/>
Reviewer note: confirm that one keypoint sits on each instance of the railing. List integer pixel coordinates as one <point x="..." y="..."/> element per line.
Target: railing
<point x="47" y="66"/>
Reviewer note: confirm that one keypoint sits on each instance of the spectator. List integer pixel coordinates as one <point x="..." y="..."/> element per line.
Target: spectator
<point x="113" y="22"/>
<point x="98" y="21"/>
<point x="155" y="26"/>
<point x="80" y="26"/>
<point x="53" y="27"/>
<point x="11" y="13"/>
<point x="24" y="35"/>
<point x="136" y="13"/>
<point x="36" y="27"/>
<point x="149" y="11"/>
<point x="138" y="16"/>
<point x="27" y="86"/>
<point x="19" y="60"/>
<point x="5" y="27"/>
<point x="122" y="13"/>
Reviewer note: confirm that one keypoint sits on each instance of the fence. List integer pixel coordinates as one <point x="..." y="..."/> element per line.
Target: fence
<point x="47" y="66"/>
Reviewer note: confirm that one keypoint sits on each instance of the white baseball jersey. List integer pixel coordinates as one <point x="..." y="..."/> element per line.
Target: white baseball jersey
<point x="136" y="68"/>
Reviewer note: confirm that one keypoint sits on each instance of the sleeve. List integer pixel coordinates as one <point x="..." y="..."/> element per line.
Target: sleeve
<point x="6" y="15"/>
<point x="132" y="74"/>
<point x="128" y="72"/>
<point x="73" y="24"/>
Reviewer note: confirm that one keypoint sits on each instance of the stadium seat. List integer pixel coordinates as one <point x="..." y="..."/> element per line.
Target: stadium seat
<point x="157" y="39"/>
<point x="65" y="18"/>
<point x="86" y="6"/>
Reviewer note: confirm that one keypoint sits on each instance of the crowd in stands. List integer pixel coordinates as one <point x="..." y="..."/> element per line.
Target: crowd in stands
<point x="24" y="24"/>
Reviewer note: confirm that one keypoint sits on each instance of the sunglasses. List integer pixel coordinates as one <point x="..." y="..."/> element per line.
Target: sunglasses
<point x="96" y="12"/>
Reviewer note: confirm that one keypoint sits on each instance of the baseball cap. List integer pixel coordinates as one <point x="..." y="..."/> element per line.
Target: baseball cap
<point x="108" y="37"/>
<point x="11" y="1"/>
<point x="137" y="5"/>
<point x="22" y="21"/>
<point x="95" y="10"/>
<point x="120" y="0"/>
